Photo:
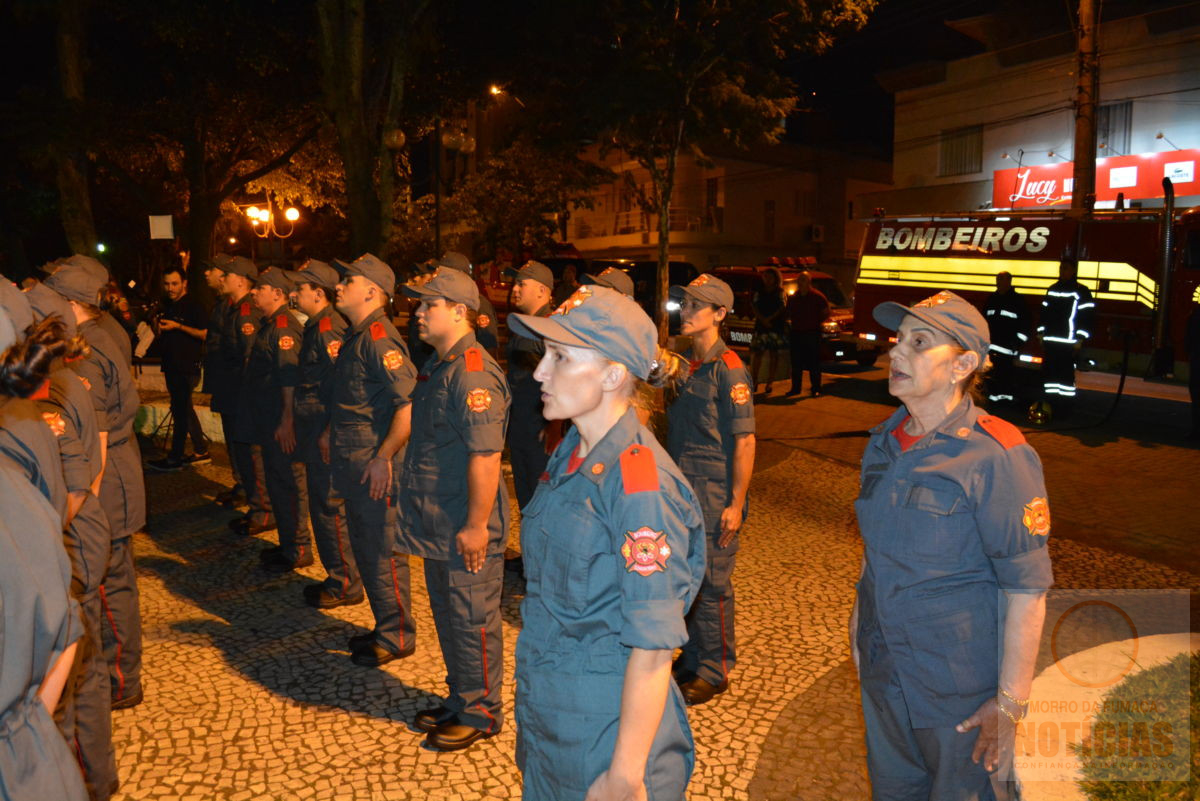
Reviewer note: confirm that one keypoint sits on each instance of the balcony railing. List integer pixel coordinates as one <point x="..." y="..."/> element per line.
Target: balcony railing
<point x="710" y="220"/>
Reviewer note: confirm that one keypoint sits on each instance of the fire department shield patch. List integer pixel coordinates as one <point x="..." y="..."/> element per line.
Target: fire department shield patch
<point x="247" y="328"/>
<point x="56" y="423"/>
<point x="1037" y="517"/>
<point x="392" y="360"/>
<point x="934" y="300"/>
<point x="740" y="393"/>
<point x="577" y="299"/>
<point x="646" y="551"/>
<point x="479" y="400"/>
<point x="286" y="343"/>
<point x="483" y="321"/>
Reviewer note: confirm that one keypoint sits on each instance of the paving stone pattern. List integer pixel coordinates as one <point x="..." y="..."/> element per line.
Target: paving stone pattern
<point x="251" y="695"/>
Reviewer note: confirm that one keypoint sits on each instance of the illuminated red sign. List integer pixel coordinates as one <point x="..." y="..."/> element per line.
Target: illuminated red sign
<point x="1138" y="177"/>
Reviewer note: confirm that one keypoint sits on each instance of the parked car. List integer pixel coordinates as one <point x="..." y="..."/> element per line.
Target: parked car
<point x="746" y="281"/>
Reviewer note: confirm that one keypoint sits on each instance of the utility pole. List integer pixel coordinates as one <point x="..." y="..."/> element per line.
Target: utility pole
<point x="1087" y="97"/>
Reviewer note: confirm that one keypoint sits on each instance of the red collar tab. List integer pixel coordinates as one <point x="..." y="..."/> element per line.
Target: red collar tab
<point x="326" y="324"/>
<point x="574" y="460"/>
<point x="42" y="392"/>
<point x="473" y="358"/>
<point x="377" y="330"/>
<point x="732" y="360"/>
<point x="244" y="311"/>
<point x="281" y="321"/>
<point x="905" y="439"/>
<point x="1002" y="431"/>
<point x="638" y="470"/>
<point x="695" y="365"/>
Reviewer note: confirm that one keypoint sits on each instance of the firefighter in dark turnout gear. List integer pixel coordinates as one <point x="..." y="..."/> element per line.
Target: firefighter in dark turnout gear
<point x="1067" y="321"/>
<point x="1007" y="317"/>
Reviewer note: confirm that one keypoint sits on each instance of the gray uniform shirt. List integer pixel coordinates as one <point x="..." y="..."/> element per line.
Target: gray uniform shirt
<point x="460" y="407"/>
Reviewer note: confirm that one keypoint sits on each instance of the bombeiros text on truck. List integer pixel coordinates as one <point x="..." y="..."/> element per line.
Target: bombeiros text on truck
<point x="1142" y="267"/>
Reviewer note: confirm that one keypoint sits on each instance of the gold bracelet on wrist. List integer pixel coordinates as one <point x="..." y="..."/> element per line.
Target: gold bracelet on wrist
<point x="1009" y="715"/>
<point x="1013" y="698"/>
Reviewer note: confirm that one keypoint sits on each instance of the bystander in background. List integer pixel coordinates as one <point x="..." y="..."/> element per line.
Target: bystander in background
<point x="182" y="327"/>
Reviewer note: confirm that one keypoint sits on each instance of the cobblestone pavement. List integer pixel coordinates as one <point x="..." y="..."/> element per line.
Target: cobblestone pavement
<point x="251" y="695"/>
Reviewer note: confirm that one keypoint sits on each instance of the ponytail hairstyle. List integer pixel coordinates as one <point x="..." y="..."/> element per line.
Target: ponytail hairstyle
<point x="670" y="370"/>
<point x="25" y="364"/>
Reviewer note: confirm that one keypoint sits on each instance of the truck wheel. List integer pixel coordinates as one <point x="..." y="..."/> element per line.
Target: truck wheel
<point x="866" y="358"/>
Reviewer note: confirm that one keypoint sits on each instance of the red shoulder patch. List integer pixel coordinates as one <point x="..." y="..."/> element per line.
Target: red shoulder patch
<point x="639" y="473"/>
<point x="1001" y="430"/>
<point x="473" y="358"/>
<point x="731" y="359"/>
<point x="281" y="321"/>
<point x="326" y="324"/>
<point x="377" y="330"/>
<point x="244" y="311"/>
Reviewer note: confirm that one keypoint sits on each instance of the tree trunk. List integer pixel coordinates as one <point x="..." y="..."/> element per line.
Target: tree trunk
<point x="197" y="236"/>
<point x="665" y="183"/>
<point x="75" y="202"/>
<point x="341" y="26"/>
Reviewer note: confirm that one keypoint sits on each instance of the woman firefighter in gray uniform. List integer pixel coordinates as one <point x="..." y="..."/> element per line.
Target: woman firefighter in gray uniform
<point x="711" y="438"/>
<point x="39" y="621"/>
<point x="613" y="543"/>
<point x="950" y="605"/>
<point x="122" y="485"/>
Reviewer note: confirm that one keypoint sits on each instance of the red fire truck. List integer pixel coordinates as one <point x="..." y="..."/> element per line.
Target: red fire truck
<point x="1142" y="272"/>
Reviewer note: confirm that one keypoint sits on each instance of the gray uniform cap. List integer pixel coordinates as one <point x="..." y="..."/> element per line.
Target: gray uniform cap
<point x="240" y="265"/>
<point x="8" y="334"/>
<point x="453" y="285"/>
<point x="218" y="261"/>
<point x="455" y="261"/>
<point x="93" y="266"/>
<point x="602" y="319"/>
<point x="536" y="271"/>
<point x="78" y="283"/>
<point x="374" y="270"/>
<point x="613" y="278"/>
<point x="946" y="312"/>
<point x="44" y="301"/>
<point x="706" y="288"/>
<point x="317" y="272"/>
<point x="279" y="278"/>
<point x="13" y="301"/>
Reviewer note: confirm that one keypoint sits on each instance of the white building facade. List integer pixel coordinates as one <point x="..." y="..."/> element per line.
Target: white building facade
<point x="959" y="124"/>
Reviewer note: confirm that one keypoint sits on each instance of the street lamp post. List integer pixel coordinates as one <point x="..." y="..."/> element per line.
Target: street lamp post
<point x="264" y="221"/>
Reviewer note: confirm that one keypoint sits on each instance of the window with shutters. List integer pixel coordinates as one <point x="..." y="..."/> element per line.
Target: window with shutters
<point x="1113" y="123"/>
<point x="960" y="151"/>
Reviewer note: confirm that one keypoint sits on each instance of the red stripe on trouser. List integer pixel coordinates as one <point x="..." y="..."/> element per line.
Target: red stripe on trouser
<point x="260" y="468"/>
<point x="396" y="592"/>
<point x="487" y="690"/>
<point x="337" y="535"/>
<point x="112" y="624"/>
<point x="296" y="517"/>
<point x="724" y="649"/>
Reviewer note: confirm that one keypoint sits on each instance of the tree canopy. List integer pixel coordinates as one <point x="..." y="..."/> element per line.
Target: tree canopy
<point x="138" y="107"/>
